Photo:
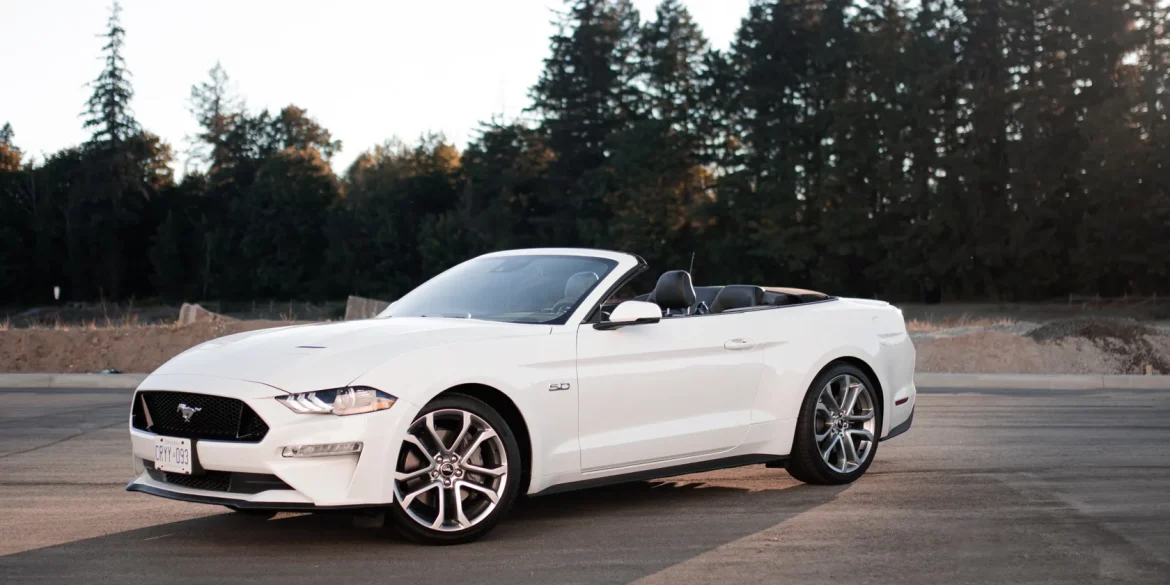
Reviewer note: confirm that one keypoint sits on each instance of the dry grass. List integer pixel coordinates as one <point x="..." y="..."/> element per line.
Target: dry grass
<point x="91" y="325"/>
<point x="127" y="321"/>
<point x="964" y="320"/>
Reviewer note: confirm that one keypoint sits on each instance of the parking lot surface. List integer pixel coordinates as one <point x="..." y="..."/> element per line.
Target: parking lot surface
<point x="990" y="486"/>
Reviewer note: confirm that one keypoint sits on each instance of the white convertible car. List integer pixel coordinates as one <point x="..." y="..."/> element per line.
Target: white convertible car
<point x="524" y="372"/>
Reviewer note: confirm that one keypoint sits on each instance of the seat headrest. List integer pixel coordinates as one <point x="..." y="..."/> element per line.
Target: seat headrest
<point x="737" y="296"/>
<point x="579" y="283"/>
<point x="674" y="290"/>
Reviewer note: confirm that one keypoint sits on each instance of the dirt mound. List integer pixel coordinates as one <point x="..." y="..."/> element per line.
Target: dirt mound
<point x="126" y="349"/>
<point x="1135" y="345"/>
<point x="1072" y="346"/>
<point x="998" y="352"/>
<point x="1093" y="328"/>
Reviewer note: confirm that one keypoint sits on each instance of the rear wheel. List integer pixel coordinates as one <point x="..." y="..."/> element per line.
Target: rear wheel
<point x="457" y="473"/>
<point x="836" y="434"/>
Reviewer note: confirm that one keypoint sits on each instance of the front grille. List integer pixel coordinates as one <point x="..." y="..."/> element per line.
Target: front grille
<point x="219" y="481"/>
<point x="215" y="481"/>
<point x="219" y="418"/>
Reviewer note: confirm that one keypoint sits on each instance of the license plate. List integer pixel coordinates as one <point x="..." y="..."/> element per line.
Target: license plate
<point x="173" y="455"/>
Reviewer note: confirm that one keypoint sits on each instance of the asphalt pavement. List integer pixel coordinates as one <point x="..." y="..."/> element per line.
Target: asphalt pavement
<point x="990" y="486"/>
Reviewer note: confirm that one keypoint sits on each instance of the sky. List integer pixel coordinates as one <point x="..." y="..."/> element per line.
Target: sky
<point x="367" y="70"/>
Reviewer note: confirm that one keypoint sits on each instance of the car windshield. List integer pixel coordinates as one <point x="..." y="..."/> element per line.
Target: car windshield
<point x="514" y="289"/>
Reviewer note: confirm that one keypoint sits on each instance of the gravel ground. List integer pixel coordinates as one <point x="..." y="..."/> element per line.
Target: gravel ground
<point x="989" y="487"/>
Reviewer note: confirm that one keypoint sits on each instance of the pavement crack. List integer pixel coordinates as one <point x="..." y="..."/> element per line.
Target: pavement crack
<point x="59" y="441"/>
<point x="11" y="422"/>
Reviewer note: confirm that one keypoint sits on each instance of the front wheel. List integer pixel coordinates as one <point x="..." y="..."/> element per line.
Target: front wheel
<point x="836" y="434"/>
<point x="457" y="473"/>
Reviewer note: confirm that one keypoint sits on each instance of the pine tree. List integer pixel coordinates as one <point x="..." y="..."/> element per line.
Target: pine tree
<point x="584" y="95"/>
<point x="985" y="148"/>
<point x="759" y="204"/>
<point x="919" y="241"/>
<point x="108" y="113"/>
<point x="104" y="209"/>
<point x="1152" y="44"/>
<point x="505" y="170"/>
<point x="672" y="50"/>
<point x="217" y="109"/>
<point x="654" y="180"/>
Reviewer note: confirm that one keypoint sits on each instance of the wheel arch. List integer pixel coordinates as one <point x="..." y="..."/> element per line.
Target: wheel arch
<point x="865" y="369"/>
<point x="870" y="373"/>
<point x="501" y="403"/>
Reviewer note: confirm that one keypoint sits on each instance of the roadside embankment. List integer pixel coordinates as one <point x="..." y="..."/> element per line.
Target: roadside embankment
<point x="93" y="349"/>
<point x="1082" y="346"/>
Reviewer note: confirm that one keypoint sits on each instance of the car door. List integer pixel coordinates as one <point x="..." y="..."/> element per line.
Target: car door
<point x="653" y="392"/>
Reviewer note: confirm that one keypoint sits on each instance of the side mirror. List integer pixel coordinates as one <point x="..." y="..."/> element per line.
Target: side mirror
<point x="631" y="313"/>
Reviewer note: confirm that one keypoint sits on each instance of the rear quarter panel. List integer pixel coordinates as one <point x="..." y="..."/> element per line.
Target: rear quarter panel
<point x="802" y="340"/>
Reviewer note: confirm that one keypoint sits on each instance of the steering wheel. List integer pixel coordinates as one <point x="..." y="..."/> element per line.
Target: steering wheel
<point x="562" y="306"/>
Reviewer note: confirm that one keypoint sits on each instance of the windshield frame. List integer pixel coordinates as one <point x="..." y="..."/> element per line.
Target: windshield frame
<point x="622" y="264"/>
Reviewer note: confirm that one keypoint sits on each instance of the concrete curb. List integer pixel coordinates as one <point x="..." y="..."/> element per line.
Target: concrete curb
<point x="922" y="379"/>
<point x="1042" y="381"/>
<point x="71" y="380"/>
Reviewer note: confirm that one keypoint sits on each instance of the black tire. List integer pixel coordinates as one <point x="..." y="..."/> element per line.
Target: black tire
<point x="413" y="530"/>
<point x="806" y="463"/>
<point x="253" y="513"/>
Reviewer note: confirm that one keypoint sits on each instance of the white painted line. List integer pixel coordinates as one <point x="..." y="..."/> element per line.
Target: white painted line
<point x="1042" y="381"/>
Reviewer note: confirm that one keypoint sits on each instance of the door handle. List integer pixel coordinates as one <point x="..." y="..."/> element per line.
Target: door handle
<point x="738" y="343"/>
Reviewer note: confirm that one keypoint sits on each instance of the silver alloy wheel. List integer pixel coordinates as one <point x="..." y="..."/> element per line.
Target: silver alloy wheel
<point x="845" y="423"/>
<point x="452" y="470"/>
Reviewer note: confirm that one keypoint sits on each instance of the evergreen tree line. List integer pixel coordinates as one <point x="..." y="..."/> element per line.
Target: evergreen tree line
<point x="918" y="150"/>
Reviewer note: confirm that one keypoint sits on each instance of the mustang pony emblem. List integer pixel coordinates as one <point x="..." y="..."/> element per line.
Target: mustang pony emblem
<point x="187" y="411"/>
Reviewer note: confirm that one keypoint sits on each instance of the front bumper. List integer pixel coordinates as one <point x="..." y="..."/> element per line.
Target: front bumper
<point x="233" y="502"/>
<point x="901" y="428"/>
<point x="357" y="480"/>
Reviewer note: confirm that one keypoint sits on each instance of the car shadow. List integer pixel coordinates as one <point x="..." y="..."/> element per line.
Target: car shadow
<point x="612" y="534"/>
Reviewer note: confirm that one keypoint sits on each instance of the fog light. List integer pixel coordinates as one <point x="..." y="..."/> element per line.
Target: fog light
<point x="322" y="450"/>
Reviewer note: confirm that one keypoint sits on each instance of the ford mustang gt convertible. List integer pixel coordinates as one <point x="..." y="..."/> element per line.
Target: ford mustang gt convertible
<point x="524" y="372"/>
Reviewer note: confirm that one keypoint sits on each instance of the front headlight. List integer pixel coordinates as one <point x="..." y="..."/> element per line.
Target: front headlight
<point x="341" y="401"/>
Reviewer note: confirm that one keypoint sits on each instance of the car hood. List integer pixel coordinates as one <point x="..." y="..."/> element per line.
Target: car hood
<point x="331" y="355"/>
